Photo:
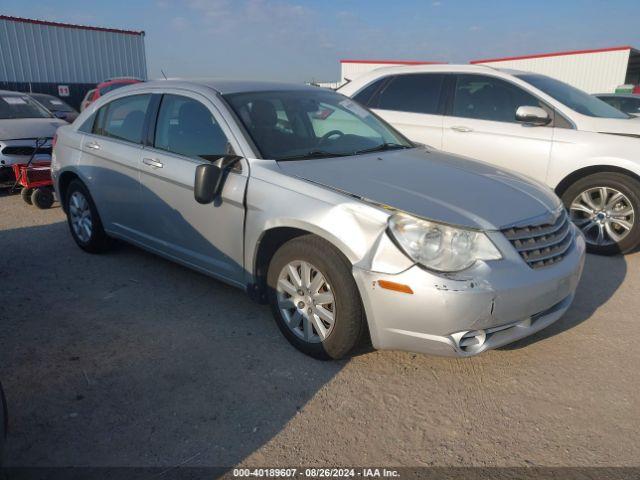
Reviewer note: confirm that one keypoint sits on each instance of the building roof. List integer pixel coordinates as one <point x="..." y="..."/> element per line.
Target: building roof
<point x="69" y="25"/>
<point x="555" y="54"/>
<point x="390" y="62"/>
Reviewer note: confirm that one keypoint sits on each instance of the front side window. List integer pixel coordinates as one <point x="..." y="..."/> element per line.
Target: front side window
<point x="488" y="98"/>
<point x="416" y="93"/>
<point x="573" y="98"/>
<point x="186" y="127"/>
<point x="291" y="125"/>
<point x="21" y="106"/>
<point x="123" y="118"/>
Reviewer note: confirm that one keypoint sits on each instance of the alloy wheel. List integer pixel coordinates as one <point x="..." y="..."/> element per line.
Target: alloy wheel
<point x="306" y="301"/>
<point x="80" y="216"/>
<point x="605" y="215"/>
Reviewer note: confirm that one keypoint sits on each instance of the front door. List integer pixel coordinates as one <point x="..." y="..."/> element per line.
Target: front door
<point x="482" y="125"/>
<point x="189" y="131"/>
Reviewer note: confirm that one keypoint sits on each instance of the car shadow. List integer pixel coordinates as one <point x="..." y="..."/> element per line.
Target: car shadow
<point x="126" y="359"/>
<point x="601" y="277"/>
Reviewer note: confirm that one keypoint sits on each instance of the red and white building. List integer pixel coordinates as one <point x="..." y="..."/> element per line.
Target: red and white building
<point x="594" y="71"/>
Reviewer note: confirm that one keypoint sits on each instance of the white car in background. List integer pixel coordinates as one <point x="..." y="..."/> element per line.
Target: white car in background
<point x="586" y="150"/>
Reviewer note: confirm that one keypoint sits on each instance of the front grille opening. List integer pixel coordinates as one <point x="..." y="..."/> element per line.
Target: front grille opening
<point x="542" y="245"/>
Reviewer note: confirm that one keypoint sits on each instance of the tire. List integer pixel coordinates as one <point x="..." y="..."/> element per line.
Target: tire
<point x="349" y="323"/>
<point x="42" y="198"/>
<point x="94" y="239"/>
<point x="616" y="227"/>
<point x="25" y="193"/>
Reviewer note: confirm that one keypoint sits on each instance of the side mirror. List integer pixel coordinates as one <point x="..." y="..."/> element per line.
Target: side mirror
<point x="210" y="178"/>
<point x="532" y="115"/>
<point x="60" y="115"/>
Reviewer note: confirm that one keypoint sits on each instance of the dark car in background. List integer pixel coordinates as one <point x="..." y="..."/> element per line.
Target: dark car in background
<point x="628" y="103"/>
<point x="57" y="107"/>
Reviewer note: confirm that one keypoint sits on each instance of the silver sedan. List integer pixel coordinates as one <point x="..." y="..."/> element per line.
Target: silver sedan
<point x="312" y="204"/>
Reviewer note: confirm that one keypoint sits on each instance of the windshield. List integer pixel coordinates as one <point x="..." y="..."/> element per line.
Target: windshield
<point x="573" y="98"/>
<point x="21" y="106"/>
<point x="52" y="103"/>
<point x="293" y="125"/>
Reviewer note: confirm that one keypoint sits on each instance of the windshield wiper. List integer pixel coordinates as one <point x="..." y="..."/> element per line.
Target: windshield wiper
<point x="312" y="154"/>
<point x="382" y="147"/>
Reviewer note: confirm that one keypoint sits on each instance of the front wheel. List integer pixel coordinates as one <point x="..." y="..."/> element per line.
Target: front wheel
<point x="606" y="207"/>
<point x="314" y="298"/>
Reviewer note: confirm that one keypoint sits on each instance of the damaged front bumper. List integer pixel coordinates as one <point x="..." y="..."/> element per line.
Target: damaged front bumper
<point x="487" y="306"/>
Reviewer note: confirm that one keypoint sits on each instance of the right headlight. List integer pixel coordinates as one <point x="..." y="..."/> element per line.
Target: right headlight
<point x="440" y="247"/>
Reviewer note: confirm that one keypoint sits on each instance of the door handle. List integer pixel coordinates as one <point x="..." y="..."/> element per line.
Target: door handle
<point x="93" y="145"/>
<point x="461" y="129"/>
<point x="152" y="162"/>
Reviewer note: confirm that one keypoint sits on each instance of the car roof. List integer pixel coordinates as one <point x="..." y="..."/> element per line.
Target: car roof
<point x="6" y="93"/>
<point x="225" y="87"/>
<point x="624" y="95"/>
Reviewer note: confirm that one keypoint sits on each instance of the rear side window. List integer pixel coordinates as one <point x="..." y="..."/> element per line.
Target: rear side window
<point x="187" y="127"/>
<point x="365" y="95"/>
<point x="123" y="118"/>
<point x="489" y="98"/>
<point x="416" y="93"/>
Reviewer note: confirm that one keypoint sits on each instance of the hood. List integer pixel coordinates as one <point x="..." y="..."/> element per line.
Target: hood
<point x="630" y="126"/>
<point x="433" y="185"/>
<point x="18" y="128"/>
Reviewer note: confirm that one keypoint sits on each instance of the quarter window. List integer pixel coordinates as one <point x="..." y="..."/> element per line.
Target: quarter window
<point x="489" y="98"/>
<point x="187" y="127"/>
<point x="365" y="95"/>
<point x="123" y="118"/>
<point x="416" y="93"/>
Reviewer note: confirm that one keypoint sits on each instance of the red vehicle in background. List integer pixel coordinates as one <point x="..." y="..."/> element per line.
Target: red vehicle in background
<point x="636" y="89"/>
<point x="105" y="87"/>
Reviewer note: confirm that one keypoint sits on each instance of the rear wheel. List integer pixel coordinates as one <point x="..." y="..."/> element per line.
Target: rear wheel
<point x="606" y="207"/>
<point x="314" y="298"/>
<point x="25" y="193"/>
<point x="84" y="221"/>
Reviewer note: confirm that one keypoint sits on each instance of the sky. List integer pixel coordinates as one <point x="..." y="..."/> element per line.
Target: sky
<point x="302" y="40"/>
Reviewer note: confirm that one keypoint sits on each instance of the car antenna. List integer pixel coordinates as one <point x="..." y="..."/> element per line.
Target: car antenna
<point x="162" y="72"/>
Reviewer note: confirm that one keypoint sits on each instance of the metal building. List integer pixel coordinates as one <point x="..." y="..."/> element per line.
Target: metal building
<point x="66" y="60"/>
<point x="594" y="71"/>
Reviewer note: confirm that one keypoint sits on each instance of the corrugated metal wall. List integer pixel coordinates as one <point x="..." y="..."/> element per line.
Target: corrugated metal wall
<point x="598" y="72"/>
<point x="40" y="53"/>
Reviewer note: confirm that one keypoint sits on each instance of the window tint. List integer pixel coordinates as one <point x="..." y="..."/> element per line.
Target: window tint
<point x="572" y="97"/>
<point x="488" y="98"/>
<point x="123" y="118"/>
<point x="87" y="125"/>
<point x="417" y="93"/>
<point x="365" y="95"/>
<point x="187" y="127"/>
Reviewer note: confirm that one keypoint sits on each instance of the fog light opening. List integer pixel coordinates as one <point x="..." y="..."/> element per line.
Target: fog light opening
<point x="473" y="340"/>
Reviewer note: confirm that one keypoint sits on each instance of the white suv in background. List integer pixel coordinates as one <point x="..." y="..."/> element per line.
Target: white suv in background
<point x="583" y="148"/>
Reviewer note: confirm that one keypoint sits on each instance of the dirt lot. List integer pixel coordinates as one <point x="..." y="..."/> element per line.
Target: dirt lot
<point x="128" y="360"/>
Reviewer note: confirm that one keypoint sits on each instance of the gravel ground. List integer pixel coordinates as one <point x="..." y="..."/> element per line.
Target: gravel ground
<point x="126" y="359"/>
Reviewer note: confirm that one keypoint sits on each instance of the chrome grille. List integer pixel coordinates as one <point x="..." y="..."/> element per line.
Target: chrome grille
<point x="544" y="244"/>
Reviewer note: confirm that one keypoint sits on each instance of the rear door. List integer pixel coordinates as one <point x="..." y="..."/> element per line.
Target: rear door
<point x="482" y="125"/>
<point x="112" y="150"/>
<point x="412" y="103"/>
<point x="189" y="131"/>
